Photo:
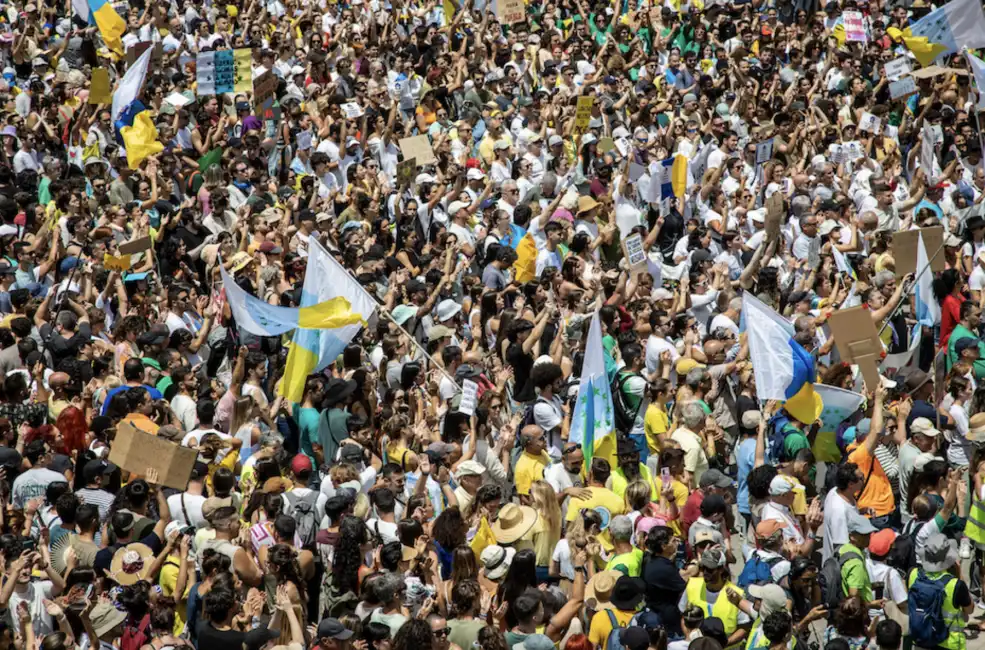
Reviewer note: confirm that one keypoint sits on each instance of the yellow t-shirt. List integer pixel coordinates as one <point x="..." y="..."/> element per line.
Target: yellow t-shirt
<point x="530" y="468"/>
<point x="544" y="541"/>
<point x="655" y="422"/>
<point x="228" y="462"/>
<point x="168" y="582"/>
<point x="680" y="498"/>
<point x="600" y="497"/>
<point x="601" y="626"/>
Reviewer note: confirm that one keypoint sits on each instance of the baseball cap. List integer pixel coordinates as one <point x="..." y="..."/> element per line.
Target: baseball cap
<point x="97" y="467"/>
<point x="769" y="527"/>
<point x="555" y="140"/>
<point x="860" y="525"/>
<point x="713" y="558"/>
<point x="781" y="485"/>
<point x="924" y="427"/>
<point x="634" y="638"/>
<point x="469" y="468"/>
<point x="880" y="543"/>
<point x="300" y="463"/>
<point x="332" y="628"/>
<point x="714" y="478"/>
<point x="967" y="342"/>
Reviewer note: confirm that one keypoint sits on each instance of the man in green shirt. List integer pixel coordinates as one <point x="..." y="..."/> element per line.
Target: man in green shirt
<point x="854" y="576"/>
<point x="970" y="317"/>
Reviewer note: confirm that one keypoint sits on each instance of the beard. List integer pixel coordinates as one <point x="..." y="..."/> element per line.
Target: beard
<point x="631" y="470"/>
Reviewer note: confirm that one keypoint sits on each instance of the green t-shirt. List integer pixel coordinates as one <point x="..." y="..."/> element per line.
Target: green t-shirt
<point x="854" y="574"/>
<point x="794" y="442"/>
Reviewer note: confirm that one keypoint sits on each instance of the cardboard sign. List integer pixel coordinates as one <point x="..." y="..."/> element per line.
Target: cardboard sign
<point x="264" y="87"/>
<point x="99" y="90"/>
<point x="470" y="397"/>
<point x="857" y="341"/>
<point x="635" y="255"/>
<point x="134" y="52"/>
<point x="903" y="87"/>
<point x="405" y="171"/>
<point x="898" y="67"/>
<point x="606" y="145"/>
<point x="270" y="114"/>
<point x="511" y="11"/>
<point x="936" y="70"/>
<point x="419" y="147"/>
<point x="764" y="151"/>
<point x="143" y="454"/>
<point x="583" y="112"/>
<point x="352" y="110"/>
<point x="870" y="123"/>
<point x="135" y="246"/>
<point x="904" y="249"/>
<point x="113" y="263"/>
<point x="855" y="31"/>
<point x="774" y="215"/>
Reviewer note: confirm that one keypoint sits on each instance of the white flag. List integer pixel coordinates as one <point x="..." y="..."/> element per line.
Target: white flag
<point x="131" y="84"/>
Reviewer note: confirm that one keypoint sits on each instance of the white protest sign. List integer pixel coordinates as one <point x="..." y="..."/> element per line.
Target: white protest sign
<point x="635" y="255"/>
<point x="870" y="123"/>
<point x="853" y="151"/>
<point x="855" y="27"/>
<point x="903" y="87"/>
<point x="304" y="140"/>
<point x="470" y="397"/>
<point x="352" y="110"/>
<point x="897" y="68"/>
<point x="938" y="133"/>
<point x="177" y="100"/>
<point x="764" y="151"/>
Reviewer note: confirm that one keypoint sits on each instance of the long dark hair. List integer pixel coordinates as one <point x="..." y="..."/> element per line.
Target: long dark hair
<point x="348" y="555"/>
<point x="944" y="285"/>
<point x="521" y="575"/>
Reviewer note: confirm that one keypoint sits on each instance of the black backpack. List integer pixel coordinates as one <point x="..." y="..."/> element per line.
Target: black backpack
<point x="830" y="579"/>
<point x="625" y="415"/>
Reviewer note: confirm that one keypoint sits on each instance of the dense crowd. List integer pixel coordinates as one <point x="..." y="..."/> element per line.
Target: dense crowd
<point x="526" y="193"/>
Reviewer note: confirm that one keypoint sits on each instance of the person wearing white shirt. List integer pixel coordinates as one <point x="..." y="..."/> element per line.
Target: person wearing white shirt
<point x="501" y="169"/>
<point x="535" y="156"/>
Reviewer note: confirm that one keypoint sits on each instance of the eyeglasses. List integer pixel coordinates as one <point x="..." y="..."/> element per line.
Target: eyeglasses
<point x="571" y="446"/>
<point x="443" y="632"/>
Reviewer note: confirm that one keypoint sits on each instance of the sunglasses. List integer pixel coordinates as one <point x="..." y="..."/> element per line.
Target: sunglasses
<point x="443" y="632"/>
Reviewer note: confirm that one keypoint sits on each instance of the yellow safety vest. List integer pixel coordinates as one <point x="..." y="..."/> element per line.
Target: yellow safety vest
<point x="758" y="640"/>
<point x="975" y="526"/>
<point x="620" y="483"/>
<point x="951" y="614"/>
<point x="723" y="609"/>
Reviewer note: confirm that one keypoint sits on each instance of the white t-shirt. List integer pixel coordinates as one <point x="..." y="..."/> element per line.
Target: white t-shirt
<point x="976" y="281"/>
<point x="562" y="555"/>
<point x="655" y="346"/>
<point x="791" y="529"/>
<point x="385" y="529"/>
<point x="34" y="596"/>
<point x="836" y="513"/>
<point x="193" y="506"/>
<point x="257" y="394"/>
<point x="185" y="408"/>
<point x="723" y="321"/>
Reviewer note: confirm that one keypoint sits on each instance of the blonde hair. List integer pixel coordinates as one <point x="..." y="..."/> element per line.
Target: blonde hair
<point x="242" y="412"/>
<point x="545" y="503"/>
<point x="637" y="495"/>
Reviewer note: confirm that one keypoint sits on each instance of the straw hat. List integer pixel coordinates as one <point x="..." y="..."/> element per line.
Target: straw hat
<point x="131" y="563"/>
<point x="586" y="203"/>
<point x="240" y="260"/>
<point x="976" y="428"/>
<point x="600" y="588"/>
<point x="513" y="523"/>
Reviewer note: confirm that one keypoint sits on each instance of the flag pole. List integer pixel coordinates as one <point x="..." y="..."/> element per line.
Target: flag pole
<point x="899" y="305"/>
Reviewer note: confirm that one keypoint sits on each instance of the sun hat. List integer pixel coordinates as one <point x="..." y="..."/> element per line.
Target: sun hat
<point x="586" y="203"/>
<point x="130" y="563"/>
<point x="469" y="468"/>
<point x="496" y="561"/>
<point x="627" y="593"/>
<point x="105" y="616"/>
<point x="513" y="523"/>
<point x="448" y="309"/>
<point x="600" y="587"/>
<point x="773" y="598"/>
<point x="976" y="427"/>
<point x="938" y="553"/>
<point x="240" y="260"/>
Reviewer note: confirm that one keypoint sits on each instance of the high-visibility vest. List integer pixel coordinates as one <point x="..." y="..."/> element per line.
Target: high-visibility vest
<point x="723" y="609"/>
<point x="951" y="614"/>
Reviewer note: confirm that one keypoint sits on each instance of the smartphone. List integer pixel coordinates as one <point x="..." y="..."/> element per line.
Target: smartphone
<point x="665" y="475"/>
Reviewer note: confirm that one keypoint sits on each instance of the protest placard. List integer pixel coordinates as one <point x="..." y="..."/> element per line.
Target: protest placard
<point x="902" y="87"/>
<point x="904" y="248"/>
<point x="143" y="454"/>
<point x="857" y="341"/>
<point x="352" y="110"/>
<point x="870" y="123"/>
<point x="855" y="31"/>
<point x="405" y="171"/>
<point x="764" y="151"/>
<point x="470" y="397"/>
<point x="99" y="90"/>
<point x="511" y="11"/>
<point x="264" y="87"/>
<point x="135" y="246"/>
<point x="774" y="214"/>
<point x="418" y="147"/>
<point x="635" y="255"/>
<point x="898" y="67"/>
<point x="583" y="112"/>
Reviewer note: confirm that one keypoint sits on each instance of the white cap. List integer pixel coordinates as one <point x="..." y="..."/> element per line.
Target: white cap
<point x="469" y="468"/>
<point x="518" y="47"/>
<point x="455" y="207"/>
<point x="661" y="294"/>
<point x="588" y="138"/>
<point x="475" y="174"/>
<point x="759" y="216"/>
<point x="425" y="178"/>
<point x="921" y="462"/>
<point x="620" y="132"/>
<point x="297" y="70"/>
<point x="781" y="485"/>
<point x="501" y="145"/>
<point x="829" y="226"/>
<point x="924" y="426"/>
<point x="555" y="139"/>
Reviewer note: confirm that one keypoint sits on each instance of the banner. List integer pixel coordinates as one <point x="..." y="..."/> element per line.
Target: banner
<point x="225" y="71"/>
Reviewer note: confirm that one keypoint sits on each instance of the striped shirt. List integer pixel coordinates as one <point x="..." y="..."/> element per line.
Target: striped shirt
<point x="99" y="498"/>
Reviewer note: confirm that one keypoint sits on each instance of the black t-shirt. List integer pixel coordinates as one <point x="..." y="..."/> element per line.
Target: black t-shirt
<point x="664" y="586"/>
<point x="62" y="348"/>
<point x="209" y="637"/>
<point x="104" y="557"/>
<point x="522" y="364"/>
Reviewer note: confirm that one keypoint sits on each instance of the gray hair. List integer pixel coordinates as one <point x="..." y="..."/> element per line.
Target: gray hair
<point x="800" y="205"/>
<point x="695" y="376"/>
<point x="882" y="278"/>
<point x="509" y="184"/>
<point x="271" y="439"/>
<point x="387" y="587"/>
<point x="693" y="416"/>
<point x="621" y="528"/>
<point x="735" y="304"/>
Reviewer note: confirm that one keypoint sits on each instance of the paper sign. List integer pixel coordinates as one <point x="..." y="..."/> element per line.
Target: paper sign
<point x="853" y="151"/>
<point x="635" y="172"/>
<point x="177" y="100"/>
<point x="511" y="11"/>
<point x="635" y="255"/>
<point x="903" y="87"/>
<point x="764" y="151"/>
<point x="904" y="248"/>
<point x="270" y="114"/>
<point x="774" y="215"/>
<point x="405" y="171"/>
<point x="264" y="87"/>
<point x="224" y="71"/>
<point x="606" y="145"/>
<point x="470" y="394"/>
<point x="855" y="27"/>
<point x="855" y="335"/>
<point x="99" y="91"/>
<point x="352" y="110"/>
<point x="142" y="453"/>
<point x="418" y="147"/>
<point x="135" y="246"/>
<point x="938" y="134"/>
<point x="870" y="123"/>
<point x="583" y="112"/>
<point x="113" y="263"/>
<point x="304" y="140"/>
<point x="898" y="67"/>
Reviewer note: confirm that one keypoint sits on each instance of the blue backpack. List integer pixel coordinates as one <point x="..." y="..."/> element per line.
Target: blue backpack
<point x="757" y="571"/>
<point x="613" y="642"/>
<point x="779" y="427"/>
<point x="926" y="609"/>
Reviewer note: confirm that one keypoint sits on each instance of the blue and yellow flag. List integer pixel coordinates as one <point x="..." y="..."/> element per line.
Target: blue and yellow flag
<point x="110" y="25"/>
<point x="140" y="139"/>
<point x="334" y="299"/>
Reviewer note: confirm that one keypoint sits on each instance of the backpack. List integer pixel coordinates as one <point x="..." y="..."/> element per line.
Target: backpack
<point x="830" y="579"/>
<point x="613" y="642"/>
<point x="135" y="637"/>
<point x="528" y="413"/>
<point x="302" y="509"/>
<point x="778" y="428"/>
<point x="757" y="571"/>
<point x="928" y="629"/>
<point x="625" y="415"/>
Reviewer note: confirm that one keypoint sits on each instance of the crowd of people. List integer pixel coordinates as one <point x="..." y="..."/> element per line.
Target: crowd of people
<point x="627" y="168"/>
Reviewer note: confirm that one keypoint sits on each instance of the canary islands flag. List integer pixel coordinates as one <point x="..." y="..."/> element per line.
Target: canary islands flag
<point x="784" y="369"/>
<point x="140" y="139"/>
<point x="328" y="288"/>
<point x="110" y="25"/>
<point x="593" y="419"/>
<point x="927" y="308"/>
<point x="956" y="25"/>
